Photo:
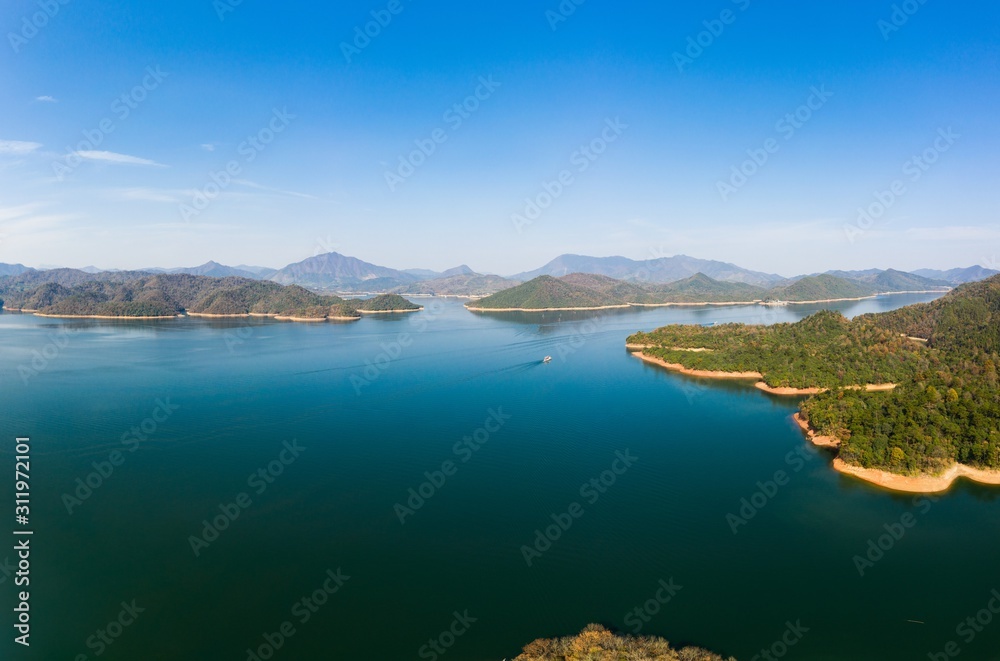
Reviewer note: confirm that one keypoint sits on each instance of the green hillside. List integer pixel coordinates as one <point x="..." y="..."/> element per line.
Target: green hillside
<point x="459" y="285"/>
<point x="700" y="288"/>
<point x="383" y="303"/>
<point x="892" y="281"/>
<point x="821" y="288"/>
<point x="619" y="290"/>
<point x="965" y="319"/>
<point x="74" y="293"/>
<point x="546" y="292"/>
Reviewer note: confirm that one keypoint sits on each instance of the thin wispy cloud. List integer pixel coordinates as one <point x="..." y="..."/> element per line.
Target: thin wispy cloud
<point x="10" y="213"/>
<point x="116" y="158"/>
<point x="46" y="99"/>
<point x="24" y="219"/>
<point x="208" y="146"/>
<point x="195" y="228"/>
<point x="169" y="196"/>
<point x="268" y="189"/>
<point x="955" y="233"/>
<point x="18" y="147"/>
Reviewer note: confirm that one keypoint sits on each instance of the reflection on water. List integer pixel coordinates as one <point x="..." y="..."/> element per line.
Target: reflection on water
<point x="246" y="385"/>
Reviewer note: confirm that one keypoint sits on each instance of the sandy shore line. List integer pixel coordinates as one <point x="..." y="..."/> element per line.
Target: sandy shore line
<point x="705" y="374"/>
<point x="388" y="311"/>
<point x="894" y="481"/>
<point x="227" y="316"/>
<point x="705" y="303"/>
<point x="639" y="347"/>
<point x="700" y="304"/>
<point x="865" y="298"/>
<point x="785" y="391"/>
<point x="604" y="307"/>
<point x="97" y="316"/>
<point x="760" y="385"/>
<point x="782" y="303"/>
<point x="821" y="441"/>
<point x="277" y="317"/>
<point x="306" y="320"/>
<point x="919" y="483"/>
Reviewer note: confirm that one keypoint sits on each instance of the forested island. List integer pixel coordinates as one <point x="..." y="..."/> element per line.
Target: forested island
<point x="909" y="398"/>
<point x="139" y="295"/>
<point x="582" y="291"/>
<point x="596" y="642"/>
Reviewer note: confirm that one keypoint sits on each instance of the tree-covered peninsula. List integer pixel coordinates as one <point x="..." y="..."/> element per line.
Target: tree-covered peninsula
<point x="70" y="293"/>
<point x="941" y="410"/>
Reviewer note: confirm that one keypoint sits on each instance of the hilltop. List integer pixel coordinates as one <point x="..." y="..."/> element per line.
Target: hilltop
<point x="336" y="272"/>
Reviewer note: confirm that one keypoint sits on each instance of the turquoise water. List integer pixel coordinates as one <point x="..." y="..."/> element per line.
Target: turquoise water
<point x="372" y="428"/>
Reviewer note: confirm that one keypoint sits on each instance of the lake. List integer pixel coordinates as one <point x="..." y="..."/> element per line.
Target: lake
<point x="423" y="487"/>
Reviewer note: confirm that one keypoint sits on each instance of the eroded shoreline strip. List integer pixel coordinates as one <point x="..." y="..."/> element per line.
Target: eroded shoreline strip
<point x="893" y="481"/>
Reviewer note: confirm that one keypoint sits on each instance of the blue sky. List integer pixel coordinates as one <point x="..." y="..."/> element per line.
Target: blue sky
<point x="589" y="134"/>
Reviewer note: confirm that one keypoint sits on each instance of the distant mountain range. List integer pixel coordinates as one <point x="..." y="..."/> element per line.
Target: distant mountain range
<point x="333" y="272"/>
<point x="13" y="269"/>
<point x="663" y="270"/>
<point x="216" y="270"/>
<point x="336" y="272"/>
<point x="959" y="276"/>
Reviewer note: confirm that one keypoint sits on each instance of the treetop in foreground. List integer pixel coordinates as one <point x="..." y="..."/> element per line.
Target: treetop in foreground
<point x="595" y="643"/>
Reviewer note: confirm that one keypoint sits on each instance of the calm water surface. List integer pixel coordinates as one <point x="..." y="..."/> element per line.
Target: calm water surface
<point x="372" y="428"/>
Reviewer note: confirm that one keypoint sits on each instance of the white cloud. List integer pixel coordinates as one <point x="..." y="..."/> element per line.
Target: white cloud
<point x="117" y="159"/>
<point x="46" y="99"/>
<point x="18" y="147"/>
<point x="11" y="213"/>
<point x="152" y="195"/>
<point x="208" y="146"/>
<point x="25" y="219"/>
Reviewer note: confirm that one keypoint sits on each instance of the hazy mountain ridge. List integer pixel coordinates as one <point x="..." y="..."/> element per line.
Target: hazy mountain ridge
<point x="473" y="284"/>
<point x="13" y="269"/>
<point x="333" y="272"/>
<point x="662" y="270"/>
<point x="959" y="276"/>
<point x="340" y="272"/>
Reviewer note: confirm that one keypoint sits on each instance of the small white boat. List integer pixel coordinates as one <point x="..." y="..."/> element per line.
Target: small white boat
<point x="547" y="359"/>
